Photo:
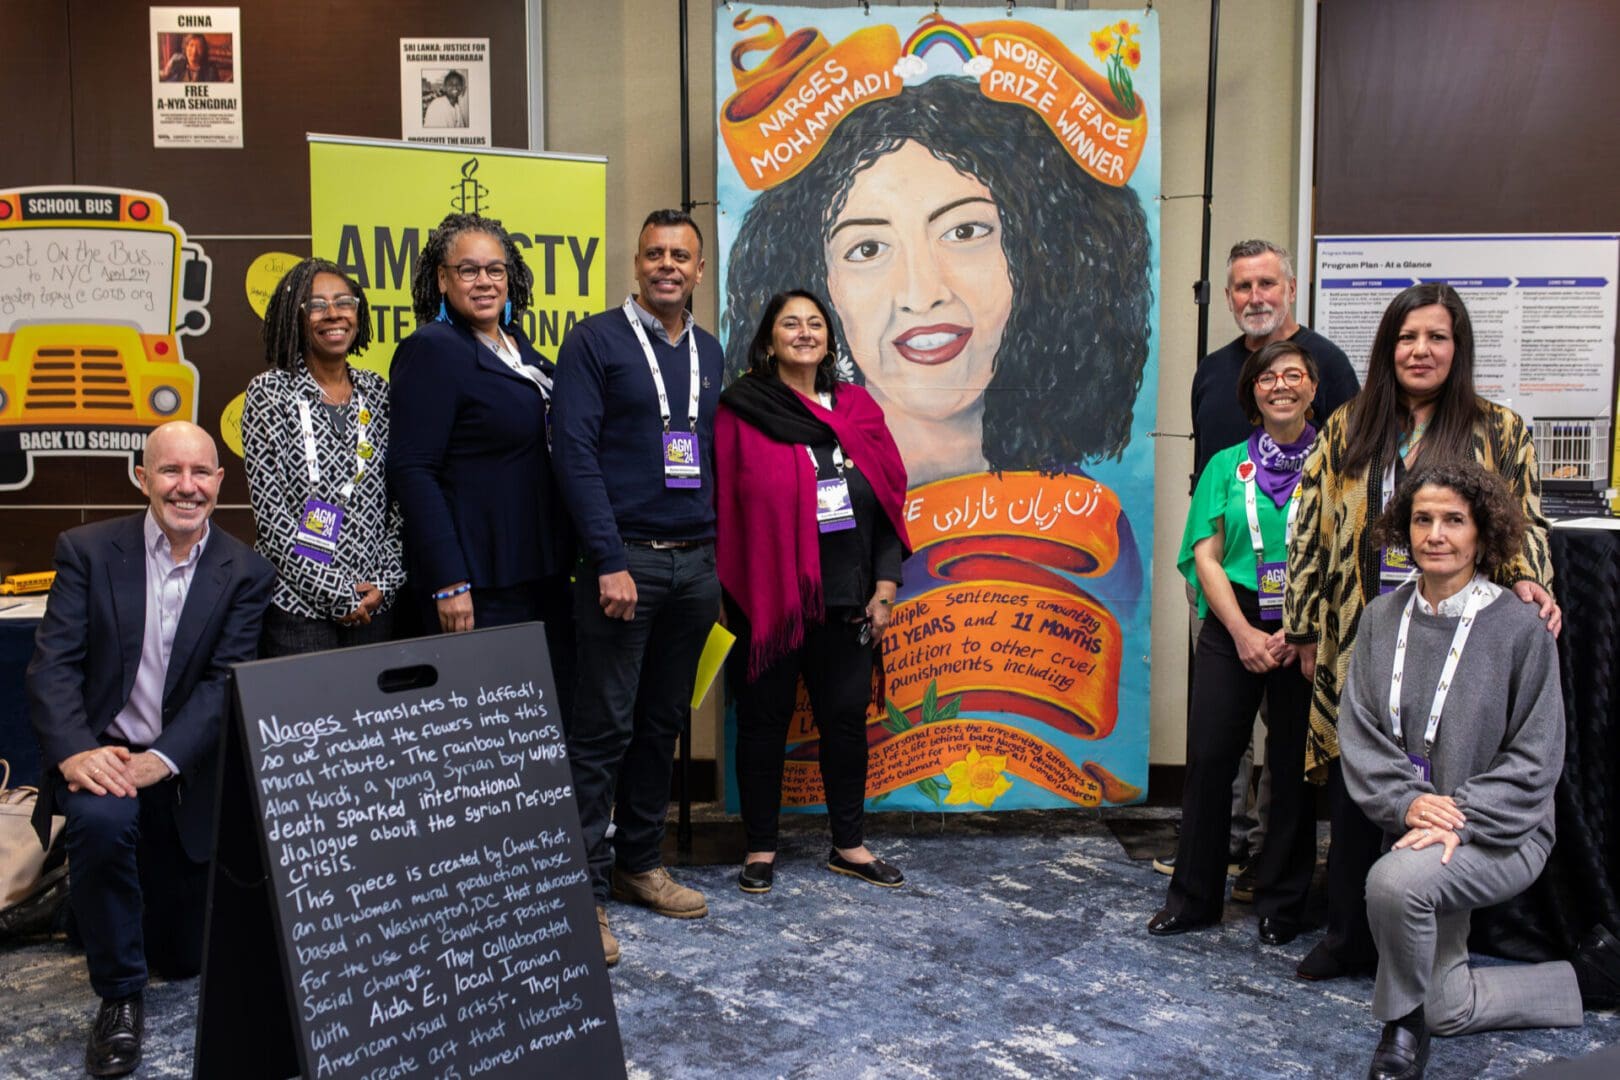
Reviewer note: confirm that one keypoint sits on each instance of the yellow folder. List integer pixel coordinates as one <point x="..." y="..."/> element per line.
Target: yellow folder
<point x="714" y="655"/>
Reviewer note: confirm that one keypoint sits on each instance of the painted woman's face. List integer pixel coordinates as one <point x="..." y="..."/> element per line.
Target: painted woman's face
<point x="917" y="274"/>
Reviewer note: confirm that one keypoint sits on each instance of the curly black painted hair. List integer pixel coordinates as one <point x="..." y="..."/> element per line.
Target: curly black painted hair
<point x="1496" y="513"/>
<point x="284" y="342"/>
<point x="1071" y="357"/>
<point x="425" y="294"/>
<point x="760" y="360"/>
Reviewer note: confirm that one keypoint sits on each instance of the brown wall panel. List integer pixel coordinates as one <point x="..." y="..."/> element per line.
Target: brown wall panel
<point x="34" y="82"/>
<point x="1468" y="116"/>
<point x="325" y="67"/>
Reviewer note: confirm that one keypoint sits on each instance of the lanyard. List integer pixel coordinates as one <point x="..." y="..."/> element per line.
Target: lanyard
<point x="1255" y="539"/>
<point x="1478" y="597"/>
<point x="658" y="377"/>
<point x="509" y="357"/>
<point x="362" y="446"/>
<point x="838" y="452"/>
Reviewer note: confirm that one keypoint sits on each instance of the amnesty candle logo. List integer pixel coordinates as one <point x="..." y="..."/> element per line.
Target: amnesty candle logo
<point x="469" y="197"/>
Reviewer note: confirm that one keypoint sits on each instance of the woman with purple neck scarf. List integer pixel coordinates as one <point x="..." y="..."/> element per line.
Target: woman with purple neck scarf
<point x="1233" y="551"/>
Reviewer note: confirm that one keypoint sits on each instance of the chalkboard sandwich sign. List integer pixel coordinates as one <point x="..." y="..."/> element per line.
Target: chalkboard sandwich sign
<point x="420" y="876"/>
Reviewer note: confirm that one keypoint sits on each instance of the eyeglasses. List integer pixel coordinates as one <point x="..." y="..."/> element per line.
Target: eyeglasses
<point x="344" y="305"/>
<point x="468" y="272"/>
<point x="1290" y="376"/>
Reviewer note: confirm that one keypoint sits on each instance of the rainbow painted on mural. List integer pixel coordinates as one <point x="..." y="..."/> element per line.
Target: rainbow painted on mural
<point x="944" y="33"/>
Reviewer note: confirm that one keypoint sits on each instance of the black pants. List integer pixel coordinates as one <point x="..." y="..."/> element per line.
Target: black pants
<point x="1355" y="844"/>
<point x="548" y="601"/>
<point x="837" y="672"/>
<point x="137" y="898"/>
<point x="286" y="634"/>
<point x="1225" y="697"/>
<point x="633" y="698"/>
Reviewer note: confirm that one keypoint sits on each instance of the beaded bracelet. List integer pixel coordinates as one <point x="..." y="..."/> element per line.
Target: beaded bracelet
<point x="457" y="591"/>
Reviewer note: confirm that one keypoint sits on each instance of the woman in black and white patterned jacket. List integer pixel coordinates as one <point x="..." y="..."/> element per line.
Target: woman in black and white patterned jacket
<point x="315" y="440"/>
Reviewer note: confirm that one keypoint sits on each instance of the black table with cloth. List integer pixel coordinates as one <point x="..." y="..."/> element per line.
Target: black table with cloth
<point x="1581" y="881"/>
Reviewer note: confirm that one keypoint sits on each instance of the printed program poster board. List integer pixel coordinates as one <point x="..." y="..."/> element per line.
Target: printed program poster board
<point x="419" y="901"/>
<point x="444" y="91"/>
<point x="196" y="77"/>
<point x="977" y="198"/>
<point x="1542" y="309"/>
<point x="98" y="287"/>
<point x="373" y="204"/>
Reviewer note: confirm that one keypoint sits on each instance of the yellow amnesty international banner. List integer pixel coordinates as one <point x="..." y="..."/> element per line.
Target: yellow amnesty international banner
<point x="373" y="204"/>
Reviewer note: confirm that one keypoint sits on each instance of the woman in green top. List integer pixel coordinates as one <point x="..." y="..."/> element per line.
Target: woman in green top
<point x="1233" y="551"/>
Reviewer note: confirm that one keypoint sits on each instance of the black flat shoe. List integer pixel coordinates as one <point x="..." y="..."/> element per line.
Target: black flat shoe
<point x="877" y="871"/>
<point x="757" y="877"/>
<point x="1165" y="924"/>
<point x="1278" y="931"/>
<point x="1402" y="1053"/>
<point x="1321" y="965"/>
<point x="1597" y="969"/>
<point x="115" y="1038"/>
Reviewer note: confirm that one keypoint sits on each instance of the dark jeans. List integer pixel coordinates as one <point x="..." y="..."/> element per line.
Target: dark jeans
<point x="1225" y="697"/>
<point x="837" y="671"/>
<point x="1354" y="845"/>
<point x="633" y="699"/>
<point x="286" y="634"/>
<point x="137" y="898"/>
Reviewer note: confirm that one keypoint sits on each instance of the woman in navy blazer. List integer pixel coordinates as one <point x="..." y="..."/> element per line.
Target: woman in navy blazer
<point x="487" y="540"/>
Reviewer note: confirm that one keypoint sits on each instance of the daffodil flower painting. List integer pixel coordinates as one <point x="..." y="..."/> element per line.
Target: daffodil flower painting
<point x="979" y="778"/>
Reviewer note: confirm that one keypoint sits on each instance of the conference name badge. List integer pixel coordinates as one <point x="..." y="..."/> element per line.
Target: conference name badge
<point x="1394" y="568"/>
<point x="1421" y="766"/>
<point x="318" y="529"/>
<point x="681" y="460"/>
<point x="834" y="513"/>
<point x="1271" y="579"/>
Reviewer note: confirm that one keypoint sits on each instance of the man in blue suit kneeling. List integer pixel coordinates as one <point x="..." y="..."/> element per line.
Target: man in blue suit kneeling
<point x="127" y="694"/>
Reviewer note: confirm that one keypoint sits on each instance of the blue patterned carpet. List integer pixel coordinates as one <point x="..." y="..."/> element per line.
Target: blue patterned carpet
<point x="1016" y="949"/>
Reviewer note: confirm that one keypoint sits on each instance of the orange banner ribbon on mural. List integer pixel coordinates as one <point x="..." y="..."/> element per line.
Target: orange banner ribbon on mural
<point x="975" y="757"/>
<point x="1012" y="526"/>
<point x="1052" y="655"/>
<point x="786" y="107"/>
<point x="788" y="104"/>
<point x="1033" y="68"/>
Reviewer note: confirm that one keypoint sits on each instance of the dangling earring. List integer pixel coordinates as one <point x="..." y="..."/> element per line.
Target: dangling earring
<point x="444" y="312"/>
<point x="507" y="317"/>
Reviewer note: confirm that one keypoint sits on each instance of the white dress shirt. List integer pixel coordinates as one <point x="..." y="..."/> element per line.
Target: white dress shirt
<point x="140" y="721"/>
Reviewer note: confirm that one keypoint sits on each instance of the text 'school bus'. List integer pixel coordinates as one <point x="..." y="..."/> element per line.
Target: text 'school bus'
<point x="96" y="285"/>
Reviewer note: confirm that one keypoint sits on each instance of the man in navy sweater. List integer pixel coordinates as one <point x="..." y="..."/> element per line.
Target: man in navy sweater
<point x="633" y="449"/>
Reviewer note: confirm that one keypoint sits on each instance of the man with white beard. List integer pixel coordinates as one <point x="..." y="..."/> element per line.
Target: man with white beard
<point x="1260" y="295"/>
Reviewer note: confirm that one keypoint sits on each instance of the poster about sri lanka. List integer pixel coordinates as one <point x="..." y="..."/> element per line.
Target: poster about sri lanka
<point x="975" y="193"/>
<point x="196" y="76"/>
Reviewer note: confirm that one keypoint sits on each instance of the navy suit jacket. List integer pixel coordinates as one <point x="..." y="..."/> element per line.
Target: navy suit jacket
<point x="88" y="649"/>
<point x="469" y="464"/>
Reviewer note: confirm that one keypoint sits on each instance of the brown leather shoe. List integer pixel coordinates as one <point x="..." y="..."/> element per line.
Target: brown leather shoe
<point x="657" y="890"/>
<point x="610" y="944"/>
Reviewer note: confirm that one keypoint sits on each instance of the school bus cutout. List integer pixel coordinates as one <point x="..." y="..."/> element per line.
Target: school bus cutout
<point x="96" y="287"/>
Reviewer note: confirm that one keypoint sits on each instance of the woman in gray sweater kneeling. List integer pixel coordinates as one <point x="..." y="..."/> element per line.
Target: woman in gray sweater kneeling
<point x="1452" y="727"/>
